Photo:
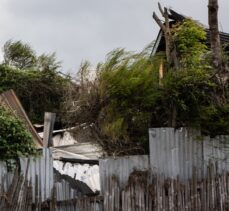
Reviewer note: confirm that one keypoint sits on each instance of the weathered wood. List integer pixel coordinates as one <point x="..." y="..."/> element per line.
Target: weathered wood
<point x="161" y="73"/>
<point x="171" y="194"/>
<point x="144" y="191"/>
<point x="170" y="47"/>
<point x="49" y="121"/>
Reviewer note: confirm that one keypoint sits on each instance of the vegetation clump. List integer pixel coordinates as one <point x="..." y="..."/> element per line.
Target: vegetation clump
<point x="190" y="39"/>
<point x="15" y="140"/>
<point x="128" y="95"/>
<point x="35" y="79"/>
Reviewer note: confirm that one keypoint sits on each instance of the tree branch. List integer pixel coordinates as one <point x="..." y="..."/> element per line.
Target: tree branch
<point x="166" y="15"/>
<point x="158" y="21"/>
<point x="160" y="9"/>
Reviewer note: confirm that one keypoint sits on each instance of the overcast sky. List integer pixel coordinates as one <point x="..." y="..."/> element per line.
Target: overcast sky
<point x="88" y="29"/>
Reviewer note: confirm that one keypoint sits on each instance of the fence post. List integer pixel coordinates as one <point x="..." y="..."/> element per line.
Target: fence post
<point x="48" y="129"/>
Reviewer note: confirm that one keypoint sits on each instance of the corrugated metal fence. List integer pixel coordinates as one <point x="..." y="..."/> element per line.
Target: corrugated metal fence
<point x="154" y="192"/>
<point x="121" y="168"/>
<point x="38" y="172"/>
<point x="177" y="152"/>
<point x="35" y="189"/>
<point x="172" y="152"/>
<point x="5" y="177"/>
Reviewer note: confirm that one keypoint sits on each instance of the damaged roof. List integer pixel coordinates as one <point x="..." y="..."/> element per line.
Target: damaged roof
<point x="175" y="17"/>
<point x="10" y="101"/>
<point x="83" y="151"/>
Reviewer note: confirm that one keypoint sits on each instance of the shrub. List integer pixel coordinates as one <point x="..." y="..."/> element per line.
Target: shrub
<point x="15" y="140"/>
<point x="127" y="97"/>
<point x="38" y="91"/>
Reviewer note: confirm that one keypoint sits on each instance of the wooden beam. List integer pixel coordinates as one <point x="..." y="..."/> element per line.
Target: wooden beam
<point x="161" y="73"/>
<point x="48" y="129"/>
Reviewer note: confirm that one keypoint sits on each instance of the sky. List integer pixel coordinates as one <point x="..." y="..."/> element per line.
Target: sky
<point x="79" y="30"/>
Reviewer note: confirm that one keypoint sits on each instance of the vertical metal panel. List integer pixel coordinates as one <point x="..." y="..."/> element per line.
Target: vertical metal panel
<point x="177" y="152"/>
<point x="121" y="167"/>
<point x="217" y="149"/>
<point x="48" y="129"/>
<point x="5" y="177"/>
<point x="42" y="167"/>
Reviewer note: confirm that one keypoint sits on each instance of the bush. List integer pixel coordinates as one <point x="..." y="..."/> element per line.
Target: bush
<point x="15" y="140"/>
<point x="127" y="97"/>
<point x="35" y="79"/>
<point x="127" y="87"/>
<point x="38" y="91"/>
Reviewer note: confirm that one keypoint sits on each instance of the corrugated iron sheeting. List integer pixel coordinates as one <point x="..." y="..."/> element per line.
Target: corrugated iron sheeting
<point x="176" y="152"/>
<point x="88" y="174"/>
<point x="5" y="178"/>
<point x="121" y="167"/>
<point x="10" y="101"/>
<point x="40" y="174"/>
<point x="85" y="150"/>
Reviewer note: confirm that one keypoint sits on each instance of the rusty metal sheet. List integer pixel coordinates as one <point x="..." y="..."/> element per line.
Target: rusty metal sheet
<point x="10" y="101"/>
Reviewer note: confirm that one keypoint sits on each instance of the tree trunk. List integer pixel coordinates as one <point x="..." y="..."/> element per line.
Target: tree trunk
<point x="214" y="32"/>
<point x="221" y="68"/>
<point x="170" y="48"/>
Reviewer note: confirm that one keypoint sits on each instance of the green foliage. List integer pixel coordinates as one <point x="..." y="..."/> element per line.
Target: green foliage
<point x="15" y="140"/>
<point x="127" y="97"/>
<point x="188" y="91"/>
<point x="48" y="62"/>
<point x="215" y="119"/>
<point x="39" y="91"/>
<point x="35" y="79"/>
<point x="190" y="39"/>
<point x="135" y="101"/>
<point x="127" y="83"/>
<point x="19" y="55"/>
